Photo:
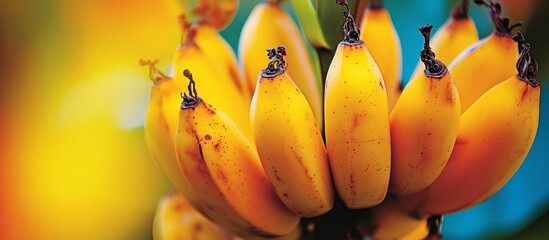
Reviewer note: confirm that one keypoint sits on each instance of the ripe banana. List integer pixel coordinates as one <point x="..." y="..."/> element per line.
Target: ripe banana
<point x="381" y="39"/>
<point x="420" y="232"/>
<point x="176" y="219"/>
<point x="494" y="137"/>
<point x="160" y="127"/>
<point x="267" y="26"/>
<point x="219" y="51"/>
<point x="454" y="36"/>
<point x="218" y="87"/>
<point x="487" y="62"/>
<point x="424" y="125"/>
<point x="289" y="141"/>
<point x="357" y="123"/>
<point x="224" y="169"/>
<point x="161" y="124"/>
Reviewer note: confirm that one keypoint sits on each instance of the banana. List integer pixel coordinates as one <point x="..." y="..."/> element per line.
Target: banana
<point x="216" y="13"/>
<point x="160" y="127"/>
<point x="487" y="62"/>
<point x="161" y="124"/>
<point x="267" y="26"/>
<point x="289" y="141"/>
<point x="454" y="36"/>
<point x="494" y="137"/>
<point x="424" y="125"/>
<point x="381" y="39"/>
<point x="219" y="51"/>
<point x="390" y="220"/>
<point x="420" y="232"/>
<point x="224" y="169"/>
<point x="357" y="122"/>
<point x="220" y="88"/>
<point x="176" y="219"/>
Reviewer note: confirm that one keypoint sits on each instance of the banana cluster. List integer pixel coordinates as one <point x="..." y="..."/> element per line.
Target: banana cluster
<point x="262" y="150"/>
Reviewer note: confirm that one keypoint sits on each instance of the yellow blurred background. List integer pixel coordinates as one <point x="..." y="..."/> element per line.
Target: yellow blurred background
<point x="74" y="161"/>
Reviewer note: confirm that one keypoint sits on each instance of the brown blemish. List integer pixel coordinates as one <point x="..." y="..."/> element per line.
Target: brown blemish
<point x="221" y="175"/>
<point x="356" y="120"/>
<point x="448" y="94"/>
<point x="179" y="206"/>
<point x="524" y="92"/>
<point x="199" y="147"/>
<point x="197" y="229"/>
<point x="208" y="137"/>
<point x="352" y="190"/>
<point x="276" y="176"/>
<point x="209" y="109"/>
<point x="217" y="145"/>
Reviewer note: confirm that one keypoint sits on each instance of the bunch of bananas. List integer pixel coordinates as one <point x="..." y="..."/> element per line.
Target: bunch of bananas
<point x="270" y="153"/>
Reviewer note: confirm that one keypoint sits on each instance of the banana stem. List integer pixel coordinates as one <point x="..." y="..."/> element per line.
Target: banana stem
<point x="185" y="26"/>
<point x="502" y="24"/>
<point x="359" y="10"/>
<point x="433" y="67"/>
<point x="350" y="30"/>
<point x="191" y="100"/>
<point x="434" y="223"/>
<point x="377" y="4"/>
<point x="277" y="65"/>
<point x="527" y="67"/>
<point x="154" y="73"/>
<point x="461" y="11"/>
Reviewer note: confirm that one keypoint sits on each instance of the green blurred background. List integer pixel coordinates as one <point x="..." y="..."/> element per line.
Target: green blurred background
<point x="73" y="162"/>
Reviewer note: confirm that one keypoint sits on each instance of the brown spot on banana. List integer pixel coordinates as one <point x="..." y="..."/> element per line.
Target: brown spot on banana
<point x="217" y="146"/>
<point x="449" y="97"/>
<point x="356" y="120"/>
<point x="524" y="92"/>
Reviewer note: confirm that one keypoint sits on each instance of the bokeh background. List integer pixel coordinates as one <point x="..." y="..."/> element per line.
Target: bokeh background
<point x="73" y="161"/>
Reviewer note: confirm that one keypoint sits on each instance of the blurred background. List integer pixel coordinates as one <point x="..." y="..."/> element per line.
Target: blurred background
<point x="73" y="161"/>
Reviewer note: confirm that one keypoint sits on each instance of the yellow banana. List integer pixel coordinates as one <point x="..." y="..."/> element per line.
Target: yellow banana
<point x="390" y="220"/>
<point x="357" y="123"/>
<point x="487" y="62"/>
<point x="424" y="125"/>
<point x="216" y="13"/>
<point x="267" y="26"/>
<point x="381" y="39"/>
<point x="224" y="169"/>
<point x="219" y="87"/>
<point x="176" y="219"/>
<point x="454" y="36"/>
<point x="420" y="232"/>
<point x="219" y="51"/>
<point x="289" y="141"/>
<point x="160" y="127"/>
<point x="494" y="137"/>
